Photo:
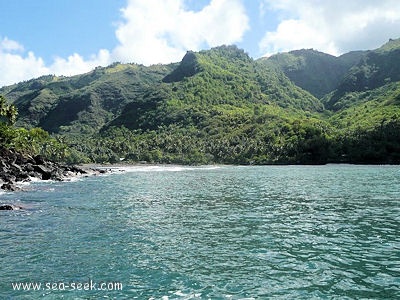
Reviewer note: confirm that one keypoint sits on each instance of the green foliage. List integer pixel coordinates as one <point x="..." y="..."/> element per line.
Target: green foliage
<point x="392" y="44"/>
<point x="34" y="141"/>
<point x="376" y="69"/>
<point x="314" y="71"/>
<point x="282" y="91"/>
<point x="258" y="134"/>
<point x="82" y="104"/>
<point x="8" y="112"/>
<point x="217" y="106"/>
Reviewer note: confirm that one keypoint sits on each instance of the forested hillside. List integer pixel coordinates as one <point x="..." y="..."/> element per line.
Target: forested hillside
<point x="316" y="72"/>
<point x="221" y="106"/>
<point x="83" y="103"/>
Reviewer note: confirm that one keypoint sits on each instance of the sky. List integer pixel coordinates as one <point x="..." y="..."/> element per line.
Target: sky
<point x="68" y="37"/>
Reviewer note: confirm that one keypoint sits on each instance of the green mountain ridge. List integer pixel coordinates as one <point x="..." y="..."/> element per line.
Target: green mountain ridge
<point x="221" y="106"/>
<point x="314" y="71"/>
<point x="82" y="103"/>
<point x="376" y="69"/>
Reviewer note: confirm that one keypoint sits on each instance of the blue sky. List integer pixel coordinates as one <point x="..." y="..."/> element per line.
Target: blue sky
<point x="67" y="37"/>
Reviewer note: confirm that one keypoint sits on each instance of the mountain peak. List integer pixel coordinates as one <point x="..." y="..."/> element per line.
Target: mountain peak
<point x="315" y="71"/>
<point x="187" y="68"/>
<point x="228" y="51"/>
<point x="392" y="44"/>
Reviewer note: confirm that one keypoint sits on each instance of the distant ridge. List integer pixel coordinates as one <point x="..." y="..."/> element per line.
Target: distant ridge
<point x="317" y="72"/>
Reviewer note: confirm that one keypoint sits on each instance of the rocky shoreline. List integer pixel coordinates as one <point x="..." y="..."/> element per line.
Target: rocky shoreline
<point x="16" y="167"/>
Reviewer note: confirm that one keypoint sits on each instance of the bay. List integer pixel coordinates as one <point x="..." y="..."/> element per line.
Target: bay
<point x="213" y="232"/>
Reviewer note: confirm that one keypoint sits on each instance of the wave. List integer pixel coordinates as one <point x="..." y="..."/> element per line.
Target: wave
<point x="181" y="295"/>
<point x="73" y="179"/>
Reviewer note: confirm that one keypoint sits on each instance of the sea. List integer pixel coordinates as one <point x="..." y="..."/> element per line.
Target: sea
<point x="206" y="232"/>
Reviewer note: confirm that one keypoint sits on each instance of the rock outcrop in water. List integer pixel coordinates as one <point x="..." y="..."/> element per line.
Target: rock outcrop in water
<point x="16" y="167"/>
<point x="9" y="207"/>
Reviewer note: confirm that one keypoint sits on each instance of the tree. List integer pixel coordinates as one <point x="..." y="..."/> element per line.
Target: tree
<point x="8" y="112"/>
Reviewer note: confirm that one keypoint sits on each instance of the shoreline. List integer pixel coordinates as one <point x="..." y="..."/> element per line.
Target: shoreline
<point x="17" y="168"/>
<point x="138" y="164"/>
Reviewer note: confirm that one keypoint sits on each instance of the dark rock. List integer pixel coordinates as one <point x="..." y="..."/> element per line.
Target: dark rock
<point x="30" y="159"/>
<point x="9" y="207"/>
<point x="57" y="174"/>
<point x="3" y="170"/>
<point x="28" y="167"/>
<point x="75" y="170"/>
<point x="21" y="160"/>
<point x="9" y="187"/>
<point x="8" y="155"/>
<point x="2" y="163"/>
<point x="9" y="178"/>
<point x="15" y="167"/>
<point x="6" y="207"/>
<point x="39" y="160"/>
<point x="23" y="176"/>
<point x="35" y="174"/>
<point x="44" y="171"/>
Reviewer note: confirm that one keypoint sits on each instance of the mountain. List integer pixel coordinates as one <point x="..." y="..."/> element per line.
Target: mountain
<point x="112" y="95"/>
<point x="221" y="106"/>
<point x="205" y="81"/>
<point x="376" y="69"/>
<point x="366" y="106"/>
<point x="316" y="72"/>
<point x="82" y="103"/>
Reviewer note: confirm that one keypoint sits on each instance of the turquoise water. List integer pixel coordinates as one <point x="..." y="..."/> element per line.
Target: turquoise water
<point x="287" y="232"/>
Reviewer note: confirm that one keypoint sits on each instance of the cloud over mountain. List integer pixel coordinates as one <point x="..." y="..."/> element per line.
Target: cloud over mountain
<point x="332" y="26"/>
<point x="151" y="32"/>
<point x="161" y="31"/>
<point x="157" y="31"/>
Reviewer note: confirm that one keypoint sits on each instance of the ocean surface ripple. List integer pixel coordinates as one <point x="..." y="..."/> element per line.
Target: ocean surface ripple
<point x="214" y="232"/>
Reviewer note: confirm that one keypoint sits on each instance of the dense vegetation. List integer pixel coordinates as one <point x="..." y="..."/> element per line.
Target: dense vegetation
<point x="221" y="106"/>
<point x="316" y="72"/>
<point x="34" y="141"/>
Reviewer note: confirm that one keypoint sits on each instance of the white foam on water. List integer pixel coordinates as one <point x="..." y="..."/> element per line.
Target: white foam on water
<point x="30" y="181"/>
<point x="73" y="179"/>
<point x="22" y="184"/>
<point x="34" y="179"/>
<point x="179" y="293"/>
<point x="187" y="296"/>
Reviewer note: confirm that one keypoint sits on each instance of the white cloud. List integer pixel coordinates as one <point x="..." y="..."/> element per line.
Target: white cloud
<point x="332" y="26"/>
<point x="76" y="64"/>
<point x="152" y="31"/>
<point x="9" y="45"/>
<point x="161" y="31"/>
<point x="295" y="34"/>
<point x="16" y="68"/>
<point x="19" y="67"/>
